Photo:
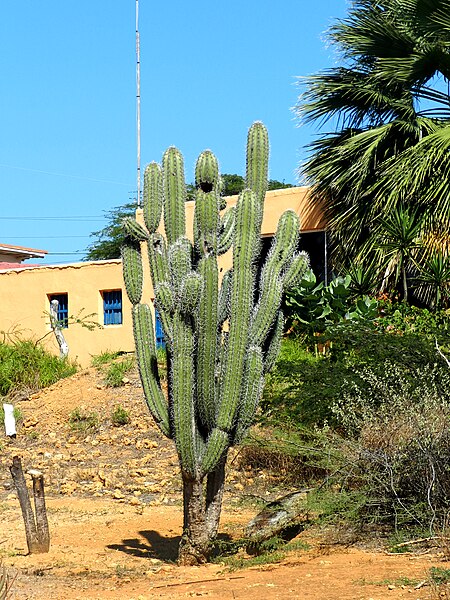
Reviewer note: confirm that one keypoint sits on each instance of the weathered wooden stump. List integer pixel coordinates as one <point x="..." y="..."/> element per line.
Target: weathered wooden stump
<point x="36" y="527"/>
<point x="276" y="517"/>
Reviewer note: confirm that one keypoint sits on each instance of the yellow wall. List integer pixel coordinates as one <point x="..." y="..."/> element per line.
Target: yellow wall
<point x="24" y="302"/>
<point x="24" y="292"/>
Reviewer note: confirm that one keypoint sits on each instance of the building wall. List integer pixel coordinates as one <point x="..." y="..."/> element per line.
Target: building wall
<point x="25" y="292"/>
<point x="25" y="304"/>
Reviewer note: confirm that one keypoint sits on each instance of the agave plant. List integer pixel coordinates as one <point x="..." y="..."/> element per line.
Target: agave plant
<point x="435" y="276"/>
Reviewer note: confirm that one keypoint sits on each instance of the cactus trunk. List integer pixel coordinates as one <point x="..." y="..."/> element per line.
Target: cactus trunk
<point x="221" y="339"/>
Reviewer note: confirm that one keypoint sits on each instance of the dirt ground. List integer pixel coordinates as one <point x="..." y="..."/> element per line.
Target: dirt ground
<point x="114" y="508"/>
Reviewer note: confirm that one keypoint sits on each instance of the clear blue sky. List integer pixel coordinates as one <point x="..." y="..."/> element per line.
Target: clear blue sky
<point x="208" y="70"/>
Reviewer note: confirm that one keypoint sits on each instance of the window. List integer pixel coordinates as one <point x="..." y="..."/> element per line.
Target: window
<point x="63" y="308"/>
<point x="112" y="307"/>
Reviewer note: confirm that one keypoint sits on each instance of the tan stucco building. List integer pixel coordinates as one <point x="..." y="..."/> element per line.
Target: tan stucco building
<point x="96" y="288"/>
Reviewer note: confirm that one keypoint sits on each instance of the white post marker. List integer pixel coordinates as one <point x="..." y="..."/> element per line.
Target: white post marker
<point x="10" y="421"/>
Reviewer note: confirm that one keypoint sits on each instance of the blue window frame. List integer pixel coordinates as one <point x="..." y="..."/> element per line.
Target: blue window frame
<point x="63" y="308"/>
<point x="159" y="332"/>
<point x="112" y="307"/>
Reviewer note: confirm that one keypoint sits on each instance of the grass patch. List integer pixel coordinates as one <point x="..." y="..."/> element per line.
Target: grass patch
<point x="26" y="366"/>
<point x="82" y="422"/>
<point x="100" y="360"/>
<point x="398" y="541"/>
<point x="120" y="416"/>
<point x="242" y="562"/>
<point x="114" y="366"/>
<point x="398" y="582"/>
<point x="439" y="576"/>
<point x="116" y="372"/>
<point x="242" y="553"/>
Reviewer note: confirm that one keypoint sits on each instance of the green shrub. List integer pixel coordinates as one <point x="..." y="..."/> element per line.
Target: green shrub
<point x="120" y="416"/>
<point x="439" y="575"/>
<point x="303" y="388"/>
<point x="25" y="365"/>
<point x="383" y="392"/>
<point x="403" y="318"/>
<point x="312" y="306"/>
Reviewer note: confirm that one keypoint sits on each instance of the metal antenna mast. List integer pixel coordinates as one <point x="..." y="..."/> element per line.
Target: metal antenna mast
<point x="138" y="106"/>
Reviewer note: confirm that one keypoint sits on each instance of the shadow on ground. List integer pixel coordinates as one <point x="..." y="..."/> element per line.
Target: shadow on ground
<point x="154" y="545"/>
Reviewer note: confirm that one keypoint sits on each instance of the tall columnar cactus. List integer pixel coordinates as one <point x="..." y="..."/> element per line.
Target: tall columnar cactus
<point x="222" y="334"/>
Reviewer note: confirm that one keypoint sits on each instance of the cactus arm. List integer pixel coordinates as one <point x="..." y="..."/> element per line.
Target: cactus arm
<point x="165" y="303"/>
<point x="296" y="270"/>
<point x="153" y="196"/>
<point x="284" y="245"/>
<point x="207" y="342"/>
<point x="252" y="387"/>
<point x="159" y="270"/>
<point x="158" y="259"/>
<point x="207" y="172"/>
<point x="217" y="444"/>
<point x="278" y="260"/>
<point x="180" y="262"/>
<point x="134" y="230"/>
<point x="206" y="222"/>
<point x="182" y="393"/>
<point x="266" y="310"/>
<point x="226" y="230"/>
<point x="190" y="291"/>
<point x="241" y="302"/>
<point x="174" y="188"/>
<point x="273" y="344"/>
<point x="144" y="337"/>
<point x="257" y="160"/>
<point x="132" y="269"/>
<point x="164" y="297"/>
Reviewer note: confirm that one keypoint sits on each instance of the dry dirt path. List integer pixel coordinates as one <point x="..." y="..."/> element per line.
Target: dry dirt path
<point x="104" y="549"/>
<point x="114" y="505"/>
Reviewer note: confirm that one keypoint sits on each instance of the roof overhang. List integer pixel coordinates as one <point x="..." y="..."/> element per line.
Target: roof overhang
<point x="20" y="252"/>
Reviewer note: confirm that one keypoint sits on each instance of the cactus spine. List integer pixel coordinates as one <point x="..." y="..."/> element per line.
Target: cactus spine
<point x="221" y="337"/>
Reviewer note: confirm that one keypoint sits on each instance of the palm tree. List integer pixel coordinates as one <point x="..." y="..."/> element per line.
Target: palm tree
<point x="390" y="115"/>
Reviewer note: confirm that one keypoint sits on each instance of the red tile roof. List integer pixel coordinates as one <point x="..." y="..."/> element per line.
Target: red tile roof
<point x="7" y="266"/>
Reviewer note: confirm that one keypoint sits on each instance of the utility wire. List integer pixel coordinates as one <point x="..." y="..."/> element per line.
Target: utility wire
<point x="42" y="237"/>
<point x="63" y="175"/>
<point x="86" y="218"/>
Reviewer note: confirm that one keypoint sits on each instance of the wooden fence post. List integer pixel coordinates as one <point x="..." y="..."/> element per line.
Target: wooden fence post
<point x="40" y="510"/>
<point x="36" y="531"/>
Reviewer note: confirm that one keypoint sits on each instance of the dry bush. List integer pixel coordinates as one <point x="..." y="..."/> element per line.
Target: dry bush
<point x="400" y="452"/>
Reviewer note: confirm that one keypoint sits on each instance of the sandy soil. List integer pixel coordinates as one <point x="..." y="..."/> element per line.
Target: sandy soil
<point x="114" y="507"/>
